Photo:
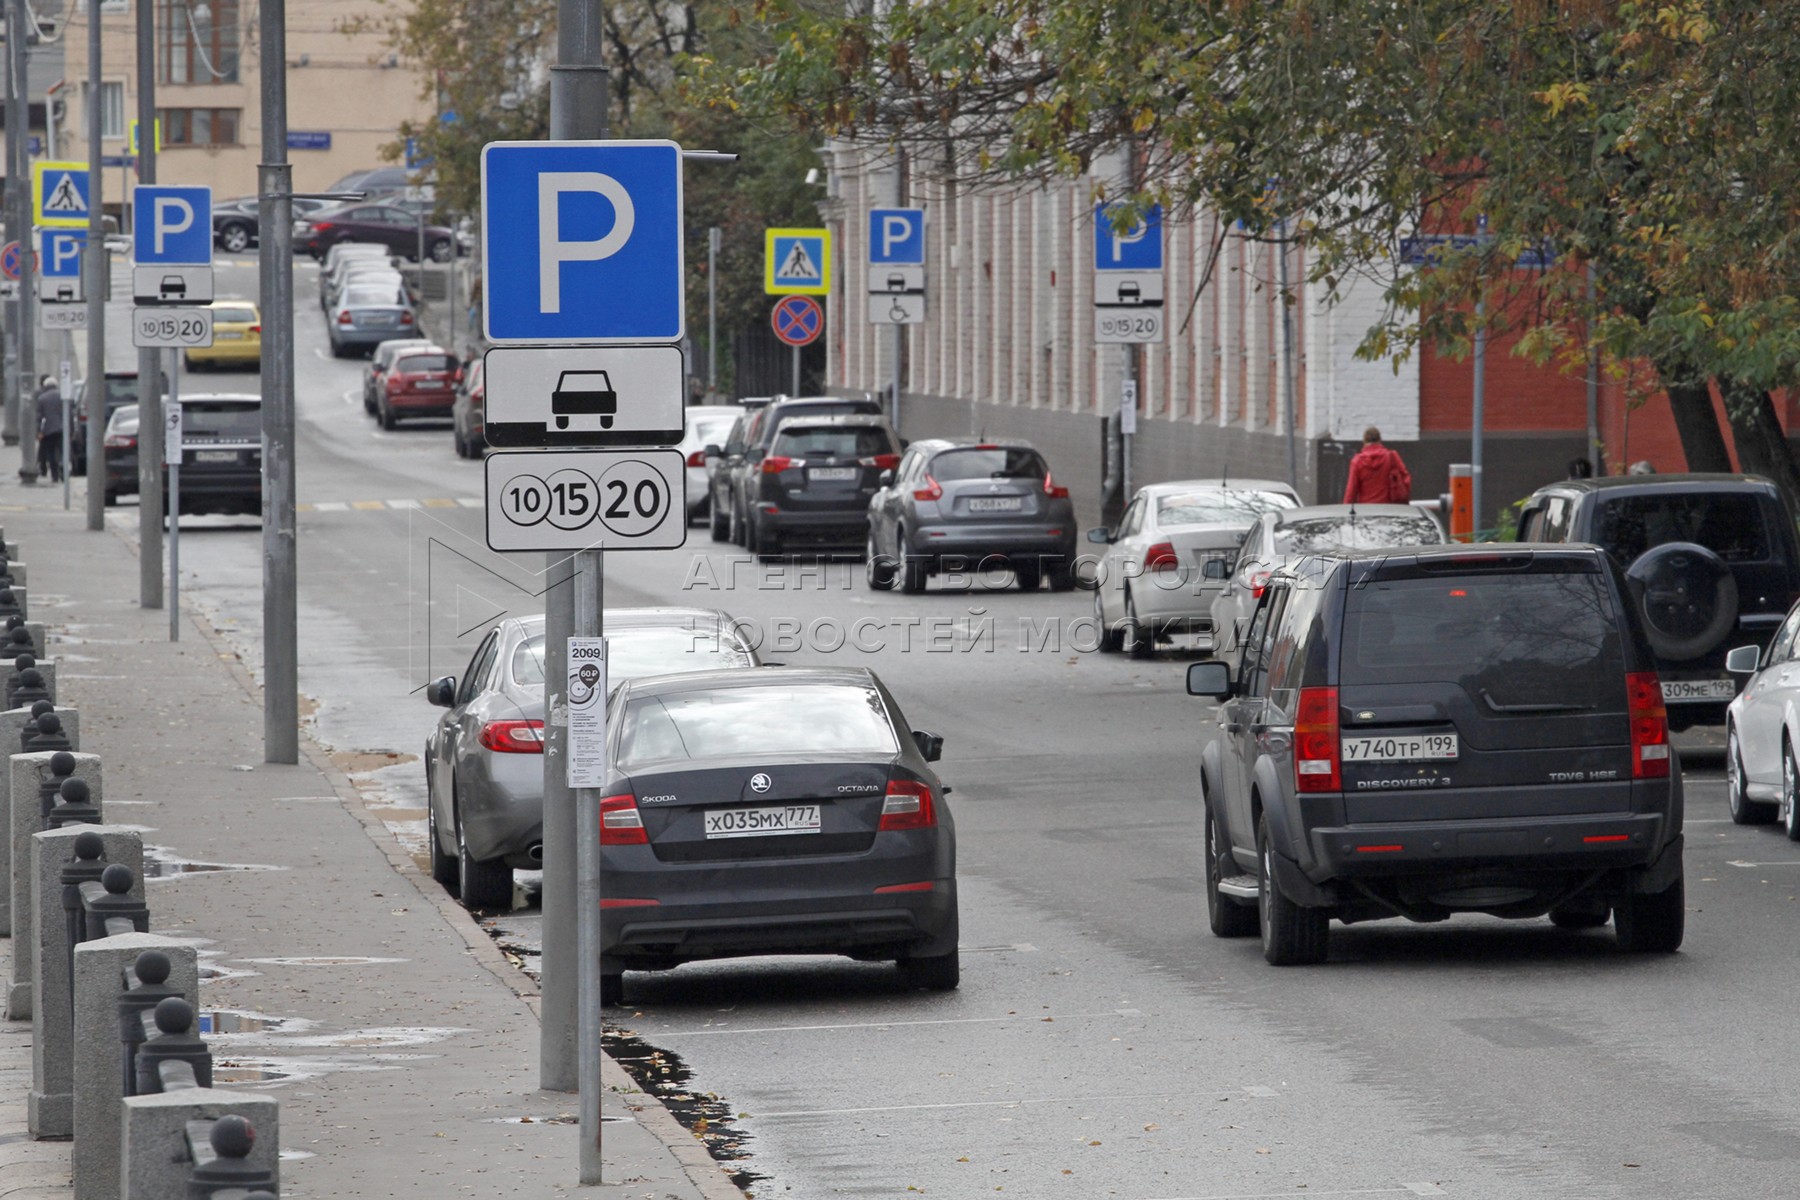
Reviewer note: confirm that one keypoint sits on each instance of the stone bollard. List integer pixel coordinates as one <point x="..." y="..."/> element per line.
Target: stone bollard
<point x="231" y="1140"/>
<point x="176" y="1039"/>
<point x="104" y="1015"/>
<point x="13" y="603"/>
<point x="23" y="637"/>
<point x="156" y="1164"/>
<point x="50" y="1111"/>
<point x="24" y="777"/>
<point x="27" y="679"/>
<point x="50" y="728"/>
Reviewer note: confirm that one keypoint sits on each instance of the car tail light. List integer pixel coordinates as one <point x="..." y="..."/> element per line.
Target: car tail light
<point x="322" y="226"/>
<point x="344" y="317"/>
<point x="775" y="464"/>
<point x="256" y="329"/>
<point x="620" y="824"/>
<point x="1317" y="767"/>
<point x="1160" y="555"/>
<point x="908" y="806"/>
<point x="1259" y="580"/>
<point x="1649" y="725"/>
<point x="513" y="737"/>
<point x="987" y="446"/>
<point x="881" y="462"/>
<point x="406" y="318"/>
<point x="697" y="459"/>
<point x="931" y="491"/>
<point x="1053" y="489"/>
<point x="120" y="441"/>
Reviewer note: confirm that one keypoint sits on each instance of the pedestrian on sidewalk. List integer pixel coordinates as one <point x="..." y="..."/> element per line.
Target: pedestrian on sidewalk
<point x="1377" y="474"/>
<point x="50" y="429"/>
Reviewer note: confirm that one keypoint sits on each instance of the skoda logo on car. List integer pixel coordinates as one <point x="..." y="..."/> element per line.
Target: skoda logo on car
<point x="759" y="782"/>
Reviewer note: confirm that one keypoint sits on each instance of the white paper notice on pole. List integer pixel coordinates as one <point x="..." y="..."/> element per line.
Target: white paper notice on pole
<point x="172" y="434"/>
<point x="587" y="712"/>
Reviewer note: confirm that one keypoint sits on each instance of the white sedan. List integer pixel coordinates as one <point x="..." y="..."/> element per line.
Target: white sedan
<point x="1762" y="728"/>
<point x="707" y="425"/>
<point x="1150" y="584"/>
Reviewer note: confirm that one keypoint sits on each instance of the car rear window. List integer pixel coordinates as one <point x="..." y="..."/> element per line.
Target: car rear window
<point x="241" y="316"/>
<point x="731" y="722"/>
<point x="223" y="419"/>
<point x="425" y="362"/>
<point x="998" y="462"/>
<point x="1541" y="638"/>
<point x="649" y="650"/>
<point x="374" y="298"/>
<point x="1323" y="535"/>
<point x="823" y="441"/>
<point x="849" y="408"/>
<point x="1217" y="506"/>
<point x="1730" y="524"/>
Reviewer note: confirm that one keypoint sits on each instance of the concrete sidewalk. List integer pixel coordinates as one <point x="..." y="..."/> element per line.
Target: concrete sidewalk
<point x="402" y="1043"/>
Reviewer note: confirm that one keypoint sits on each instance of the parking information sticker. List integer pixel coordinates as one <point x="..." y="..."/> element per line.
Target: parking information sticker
<point x="587" y="712"/>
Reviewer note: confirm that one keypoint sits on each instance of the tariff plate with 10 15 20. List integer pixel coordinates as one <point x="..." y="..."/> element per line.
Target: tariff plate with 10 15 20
<point x="567" y="500"/>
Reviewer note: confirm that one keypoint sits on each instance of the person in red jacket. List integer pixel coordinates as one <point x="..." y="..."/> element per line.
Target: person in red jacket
<point x="1377" y="474"/>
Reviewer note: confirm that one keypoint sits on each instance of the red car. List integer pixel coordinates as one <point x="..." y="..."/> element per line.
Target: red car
<point x="385" y="224"/>
<point x="466" y="413"/>
<point x="420" y="383"/>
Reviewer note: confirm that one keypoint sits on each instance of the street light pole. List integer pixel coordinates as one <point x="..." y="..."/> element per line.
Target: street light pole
<point x="275" y="238"/>
<point x="15" y="232"/>
<point x="94" y="260"/>
<point x="17" y="132"/>
<point x="150" y="409"/>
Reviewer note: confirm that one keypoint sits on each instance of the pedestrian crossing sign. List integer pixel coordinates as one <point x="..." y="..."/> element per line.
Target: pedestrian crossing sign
<point x="59" y="194"/>
<point x="797" y="262"/>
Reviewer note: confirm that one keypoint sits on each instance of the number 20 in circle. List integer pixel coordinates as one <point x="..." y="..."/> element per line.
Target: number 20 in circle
<point x="633" y="498"/>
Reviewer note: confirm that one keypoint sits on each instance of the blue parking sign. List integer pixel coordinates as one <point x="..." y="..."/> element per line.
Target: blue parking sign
<point x="59" y="256"/>
<point x="583" y="242"/>
<point x="897" y="236"/>
<point x="1136" y="248"/>
<point x="172" y="225"/>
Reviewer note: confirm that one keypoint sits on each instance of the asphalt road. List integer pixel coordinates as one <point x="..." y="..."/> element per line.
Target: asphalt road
<point x="1102" y="1043"/>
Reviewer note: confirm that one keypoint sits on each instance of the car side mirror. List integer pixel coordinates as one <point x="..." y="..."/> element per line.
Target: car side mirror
<point x="712" y="451"/>
<point x="1215" y="568"/>
<point x="886" y="478"/>
<point x="931" y="745"/>
<point x="1743" y="660"/>
<point x="1209" y="679"/>
<point x="1100" y="535"/>
<point x="442" y="692"/>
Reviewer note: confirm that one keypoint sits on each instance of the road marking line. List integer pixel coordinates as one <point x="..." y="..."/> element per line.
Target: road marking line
<point x="468" y="502"/>
<point x="368" y="505"/>
<point x="1410" y="1189"/>
<point x="1747" y="865"/>
<point x="1036" y="1017"/>
<point x="403" y="504"/>
<point x="439" y="503"/>
<point x="303" y="508"/>
<point x="329" y="506"/>
<point x="837" y="1112"/>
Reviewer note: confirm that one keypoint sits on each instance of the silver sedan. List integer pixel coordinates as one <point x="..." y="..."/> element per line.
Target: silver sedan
<point x="1762" y="729"/>
<point x="1149" y="584"/>
<point x="484" y="766"/>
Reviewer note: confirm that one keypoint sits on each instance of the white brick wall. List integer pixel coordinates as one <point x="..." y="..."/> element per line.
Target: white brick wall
<point x="1345" y="394"/>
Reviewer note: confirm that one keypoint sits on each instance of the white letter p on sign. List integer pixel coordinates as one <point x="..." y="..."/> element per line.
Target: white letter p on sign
<point x="553" y="251"/>
<point x="168" y="211"/>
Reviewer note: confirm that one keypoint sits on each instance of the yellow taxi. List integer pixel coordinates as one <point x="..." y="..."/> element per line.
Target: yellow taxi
<point x="237" y="337"/>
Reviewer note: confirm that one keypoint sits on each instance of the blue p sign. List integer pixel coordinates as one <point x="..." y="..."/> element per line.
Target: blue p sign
<point x="1133" y="246"/>
<point x="583" y="242"/>
<point x="172" y="225"/>
<point x="61" y="256"/>
<point x="897" y="236"/>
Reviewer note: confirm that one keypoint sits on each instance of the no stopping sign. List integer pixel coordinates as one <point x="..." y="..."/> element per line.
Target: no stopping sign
<point x="586" y="499"/>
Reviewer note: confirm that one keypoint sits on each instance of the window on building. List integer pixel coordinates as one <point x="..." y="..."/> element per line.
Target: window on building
<point x="200" y="126"/>
<point x="112" y="110"/>
<point x="197" y="41"/>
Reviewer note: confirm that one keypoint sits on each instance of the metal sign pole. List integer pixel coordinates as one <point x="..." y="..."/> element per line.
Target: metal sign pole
<point x="150" y="388"/>
<point x="94" y="267"/>
<point x="899" y="336"/>
<point x="275" y="219"/>
<point x="17" y="18"/>
<point x="172" y="447"/>
<point x="712" y="315"/>
<point x="796" y="390"/>
<point x="65" y="393"/>
<point x="16" y="234"/>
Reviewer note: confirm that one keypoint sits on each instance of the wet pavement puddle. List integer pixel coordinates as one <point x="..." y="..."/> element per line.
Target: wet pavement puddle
<point x="323" y="960"/>
<point x="663" y="1075"/>
<point x="160" y="862"/>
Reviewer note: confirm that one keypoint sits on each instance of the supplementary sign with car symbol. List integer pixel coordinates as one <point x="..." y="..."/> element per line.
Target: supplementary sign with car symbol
<point x="172" y="241"/>
<point x="797" y="262"/>
<point x="896" y="266"/>
<point x="1128" y="276"/>
<point x="178" y="328"/>
<point x="583" y="242"/>
<point x="563" y="501"/>
<point x="59" y="194"/>
<point x="583" y="396"/>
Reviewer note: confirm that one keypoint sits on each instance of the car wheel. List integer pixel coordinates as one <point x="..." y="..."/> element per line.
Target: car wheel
<point x="766" y="544"/>
<point x="913" y="571"/>
<point x="441" y="251"/>
<point x="234" y="238"/>
<point x="612" y="988"/>
<point x="1028" y="575"/>
<point x="1291" y="935"/>
<point x="1688" y="598"/>
<point x="462" y="447"/>
<point x="337" y="351"/>
<point x="368" y="404"/>
<point x="718" y="524"/>
<point x="1112" y="640"/>
<point x="112" y="499"/>
<point x="482" y="884"/>
<point x="1744" y="811"/>
<point x="1652" y="924"/>
<point x="444" y="867"/>
<point x="1061" y="573"/>
<point x="878" y="568"/>
<point x="937" y="973"/>
<point x="1138" y="638"/>
<point x="1576" y="917"/>
<point x="1228" y="918"/>
<point x="387" y="418"/>
<point x="1790" y="793"/>
<point x="738" y="536"/>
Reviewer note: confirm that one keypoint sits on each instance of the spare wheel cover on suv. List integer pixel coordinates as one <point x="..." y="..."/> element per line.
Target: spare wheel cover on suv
<point x="1688" y="597"/>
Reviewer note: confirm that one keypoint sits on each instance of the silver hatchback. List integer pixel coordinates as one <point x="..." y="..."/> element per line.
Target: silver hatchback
<point x="484" y="766"/>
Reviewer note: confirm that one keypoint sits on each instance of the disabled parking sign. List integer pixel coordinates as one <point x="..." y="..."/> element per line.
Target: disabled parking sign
<point x="583" y="242"/>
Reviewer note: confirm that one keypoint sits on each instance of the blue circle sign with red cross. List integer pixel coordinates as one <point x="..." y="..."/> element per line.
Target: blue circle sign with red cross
<point x="798" y="320"/>
<point x="10" y="261"/>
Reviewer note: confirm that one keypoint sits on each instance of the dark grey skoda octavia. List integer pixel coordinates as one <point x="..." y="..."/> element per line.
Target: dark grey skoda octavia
<point x="773" y="812"/>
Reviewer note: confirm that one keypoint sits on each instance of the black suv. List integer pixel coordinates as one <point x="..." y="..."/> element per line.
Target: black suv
<point x="814" y="484"/>
<point x="1448" y="731"/>
<point x="1711" y="561"/>
<point x="736" y="475"/>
